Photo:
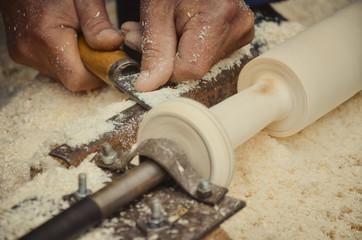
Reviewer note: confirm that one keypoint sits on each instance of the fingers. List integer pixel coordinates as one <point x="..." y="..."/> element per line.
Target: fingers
<point x="207" y="38"/>
<point x="197" y="51"/>
<point x="208" y="30"/>
<point x="96" y="26"/>
<point x="43" y="35"/>
<point x="158" y="44"/>
<point x="66" y="63"/>
<point x="132" y="34"/>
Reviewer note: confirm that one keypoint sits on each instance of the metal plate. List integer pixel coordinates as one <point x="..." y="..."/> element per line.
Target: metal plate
<point x="188" y="218"/>
<point x="172" y="158"/>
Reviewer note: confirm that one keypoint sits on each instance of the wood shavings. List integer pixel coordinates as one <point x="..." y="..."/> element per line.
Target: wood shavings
<point x="34" y="127"/>
<point x="297" y="187"/>
<point x="156" y="97"/>
<point x="87" y="129"/>
<point x="307" y="186"/>
<point x="38" y="200"/>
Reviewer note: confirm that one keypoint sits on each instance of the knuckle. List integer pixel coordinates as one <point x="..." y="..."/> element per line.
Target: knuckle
<point x="246" y="27"/>
<point x="150" y="52"/>
<point x="228" y="10"/>
<point x="198" y="71"/>
<point x="95" y="24"/>
<point x="236" y="10"/>
<point x="73" y="84"/>
<point x="189" y="71"/>
<point x="250" y="35"/>
<point x="249" y="19"/>
<point x="75" y="79"/>
<point x="248" y="24"/>
<point x="71" y="78"/>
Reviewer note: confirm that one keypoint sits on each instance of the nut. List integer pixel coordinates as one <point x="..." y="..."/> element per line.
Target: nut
<point x="156" y="219"/>
<point x="204" y="189"/>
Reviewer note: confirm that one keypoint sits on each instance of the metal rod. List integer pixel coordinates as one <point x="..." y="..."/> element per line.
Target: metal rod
<point x="128" y="187"/>
<point x="90" y="210"/>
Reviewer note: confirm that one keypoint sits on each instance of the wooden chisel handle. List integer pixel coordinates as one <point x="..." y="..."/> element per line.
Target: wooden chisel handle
<point x="107" y="65"/>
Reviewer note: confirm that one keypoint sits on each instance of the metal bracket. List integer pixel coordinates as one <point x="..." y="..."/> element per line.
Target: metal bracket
<point x="172" y="158"/>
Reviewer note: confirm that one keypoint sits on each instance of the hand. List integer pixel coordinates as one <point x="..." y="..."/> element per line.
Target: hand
<point x="181" y="39"/>
<point x="43" y="34"/>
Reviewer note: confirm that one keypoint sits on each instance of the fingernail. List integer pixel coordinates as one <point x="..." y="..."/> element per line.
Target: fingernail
<point x="108" y="39"/>
<point x="106" y="33"/>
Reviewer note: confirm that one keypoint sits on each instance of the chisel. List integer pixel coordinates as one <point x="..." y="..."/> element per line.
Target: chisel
<point x="115" y="68"/>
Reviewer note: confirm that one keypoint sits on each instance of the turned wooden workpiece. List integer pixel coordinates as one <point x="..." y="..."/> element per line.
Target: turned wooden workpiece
<point x="277" y="91"/>
<point x="124" y="135"/>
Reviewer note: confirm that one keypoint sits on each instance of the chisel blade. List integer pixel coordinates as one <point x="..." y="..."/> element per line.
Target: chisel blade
<point x="126" y="85"/>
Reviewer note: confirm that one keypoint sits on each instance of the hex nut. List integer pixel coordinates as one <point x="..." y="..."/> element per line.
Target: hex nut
<point x="156" y="219"/>
<point x="204" y="189"/>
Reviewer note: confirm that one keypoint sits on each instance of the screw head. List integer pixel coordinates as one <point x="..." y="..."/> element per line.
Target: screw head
<point x="204" y="189"/>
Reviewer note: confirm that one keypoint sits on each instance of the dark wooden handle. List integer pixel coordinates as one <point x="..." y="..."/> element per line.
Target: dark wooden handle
<point x="99" y="62"/>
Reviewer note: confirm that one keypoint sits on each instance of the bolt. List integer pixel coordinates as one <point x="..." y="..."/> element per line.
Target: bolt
<point x="156" y="219"/>
<point x="82" y="191"/>
<point x="204" y="189"/>
<point x="109" y="155"/>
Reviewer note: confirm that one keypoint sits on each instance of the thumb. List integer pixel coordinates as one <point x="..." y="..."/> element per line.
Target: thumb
<point x="96" y="26"/>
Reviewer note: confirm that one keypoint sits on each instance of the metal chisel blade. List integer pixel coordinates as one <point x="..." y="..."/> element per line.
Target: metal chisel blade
<point x="126" y="85"/>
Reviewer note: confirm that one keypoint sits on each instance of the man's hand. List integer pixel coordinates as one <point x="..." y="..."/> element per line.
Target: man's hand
<point x="181" y="39"/>
<point x="43" y="34"/>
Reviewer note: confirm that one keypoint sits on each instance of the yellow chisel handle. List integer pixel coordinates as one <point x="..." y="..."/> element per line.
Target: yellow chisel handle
<point x="107" y="65"/>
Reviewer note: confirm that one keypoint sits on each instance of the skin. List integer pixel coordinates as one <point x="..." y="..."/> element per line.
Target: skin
<point x="180" y="39"/>
<point x="42" y="34"/>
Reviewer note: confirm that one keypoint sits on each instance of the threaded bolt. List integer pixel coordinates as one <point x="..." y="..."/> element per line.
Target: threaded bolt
<point x="109" y="155"/>
<point x="156" y="219"/>
<point x="156" y="209"/>
<point x="82" y="191"/>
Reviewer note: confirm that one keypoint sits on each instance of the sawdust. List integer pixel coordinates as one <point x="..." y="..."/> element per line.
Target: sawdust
<point x="156" y="97"/>
<point x="87" y="129"/>
<point x="300" y="187"/>
<point x="307" y="186"/>
<point x="31" y="127"/>
<point x="28" y="201"/>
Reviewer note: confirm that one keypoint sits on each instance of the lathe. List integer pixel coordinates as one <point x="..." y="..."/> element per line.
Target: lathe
<point x="282" y="91"/>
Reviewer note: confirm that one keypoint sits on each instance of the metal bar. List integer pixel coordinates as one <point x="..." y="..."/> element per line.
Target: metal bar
<point x="69" y="223"/>
<point x="129" y="186"/>
<point x="90" y="210"/>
